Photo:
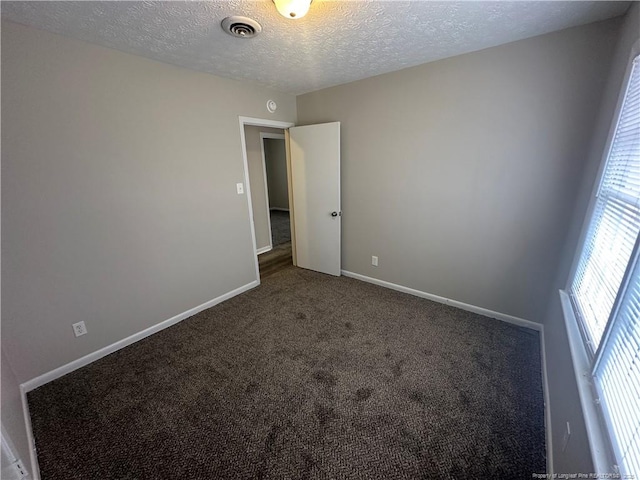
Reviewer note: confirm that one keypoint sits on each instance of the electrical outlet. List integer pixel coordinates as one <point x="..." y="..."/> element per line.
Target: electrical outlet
<point x="79" y="329"/>
<point x="240" y="188"/>
<point x="374" y="260"/>
<point x="16" y="470"/>
<point x="565" y="438"/>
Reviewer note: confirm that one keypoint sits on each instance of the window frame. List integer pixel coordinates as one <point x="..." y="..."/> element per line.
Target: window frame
<point x="585" y="358"/>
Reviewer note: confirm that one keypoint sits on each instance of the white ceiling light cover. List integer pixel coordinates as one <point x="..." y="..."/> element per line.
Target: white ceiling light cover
<point x="293" y="9"/>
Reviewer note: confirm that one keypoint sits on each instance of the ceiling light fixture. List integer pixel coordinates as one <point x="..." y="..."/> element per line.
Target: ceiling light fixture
<point x="293" y="9"/>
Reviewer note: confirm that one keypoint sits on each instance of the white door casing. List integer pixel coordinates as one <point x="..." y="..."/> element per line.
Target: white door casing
<point x="262" y="123"/>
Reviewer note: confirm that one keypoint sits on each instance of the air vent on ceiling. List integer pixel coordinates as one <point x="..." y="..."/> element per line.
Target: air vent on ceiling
<point x="242" y="27"/>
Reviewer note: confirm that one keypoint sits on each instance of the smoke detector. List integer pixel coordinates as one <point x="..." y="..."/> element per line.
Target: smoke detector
<point x="241" y="27"/>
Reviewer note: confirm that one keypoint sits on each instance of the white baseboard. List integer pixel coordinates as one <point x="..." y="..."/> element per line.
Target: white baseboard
<point x="262" y="250"/>
<point x="278" y="209"/>
<point x="447" y="301"/>
<point x="92" y="357"/>
<point x="547" y="405"/>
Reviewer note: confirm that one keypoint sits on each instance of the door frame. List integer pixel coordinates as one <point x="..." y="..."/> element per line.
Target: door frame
<point x="274" y="136"/>
<point x="257" y="122"/>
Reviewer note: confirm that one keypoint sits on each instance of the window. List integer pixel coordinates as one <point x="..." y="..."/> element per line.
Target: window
<point x="605" y="291"/>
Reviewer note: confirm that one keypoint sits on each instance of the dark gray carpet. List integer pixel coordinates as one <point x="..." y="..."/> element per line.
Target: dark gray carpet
<point x="306" y="377"/>
<point x="280" y="227"/>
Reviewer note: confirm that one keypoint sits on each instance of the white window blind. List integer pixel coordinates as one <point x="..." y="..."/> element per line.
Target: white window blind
<point x="615" y="222"/>
<point x="606" y="287"/>
<point x="618" y="379"/>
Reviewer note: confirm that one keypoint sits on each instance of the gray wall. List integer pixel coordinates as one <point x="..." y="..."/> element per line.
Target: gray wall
<point x="119" y="202"/>
<point x="257" y="180"/>
<point x="564" y="400"/>
<point x="274" y="150"/>
<point x="454" y="173"/>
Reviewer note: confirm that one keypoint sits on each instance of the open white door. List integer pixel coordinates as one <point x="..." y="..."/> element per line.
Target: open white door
<point x="315" y="181"/>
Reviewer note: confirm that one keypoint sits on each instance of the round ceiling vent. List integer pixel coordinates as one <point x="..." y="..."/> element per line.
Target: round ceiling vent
<point x="242" y="27"/>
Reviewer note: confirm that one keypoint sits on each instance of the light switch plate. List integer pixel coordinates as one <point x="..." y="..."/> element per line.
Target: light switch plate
<point x="240" y="188"/>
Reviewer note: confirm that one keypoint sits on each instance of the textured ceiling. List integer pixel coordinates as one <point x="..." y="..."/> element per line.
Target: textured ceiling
<point x="337" y="42"/>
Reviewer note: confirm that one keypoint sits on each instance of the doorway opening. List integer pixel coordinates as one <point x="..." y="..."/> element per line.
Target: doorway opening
<point x="274" y="162"/>
<point x="312" y="154"/>
<point x="268" y="193"/>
